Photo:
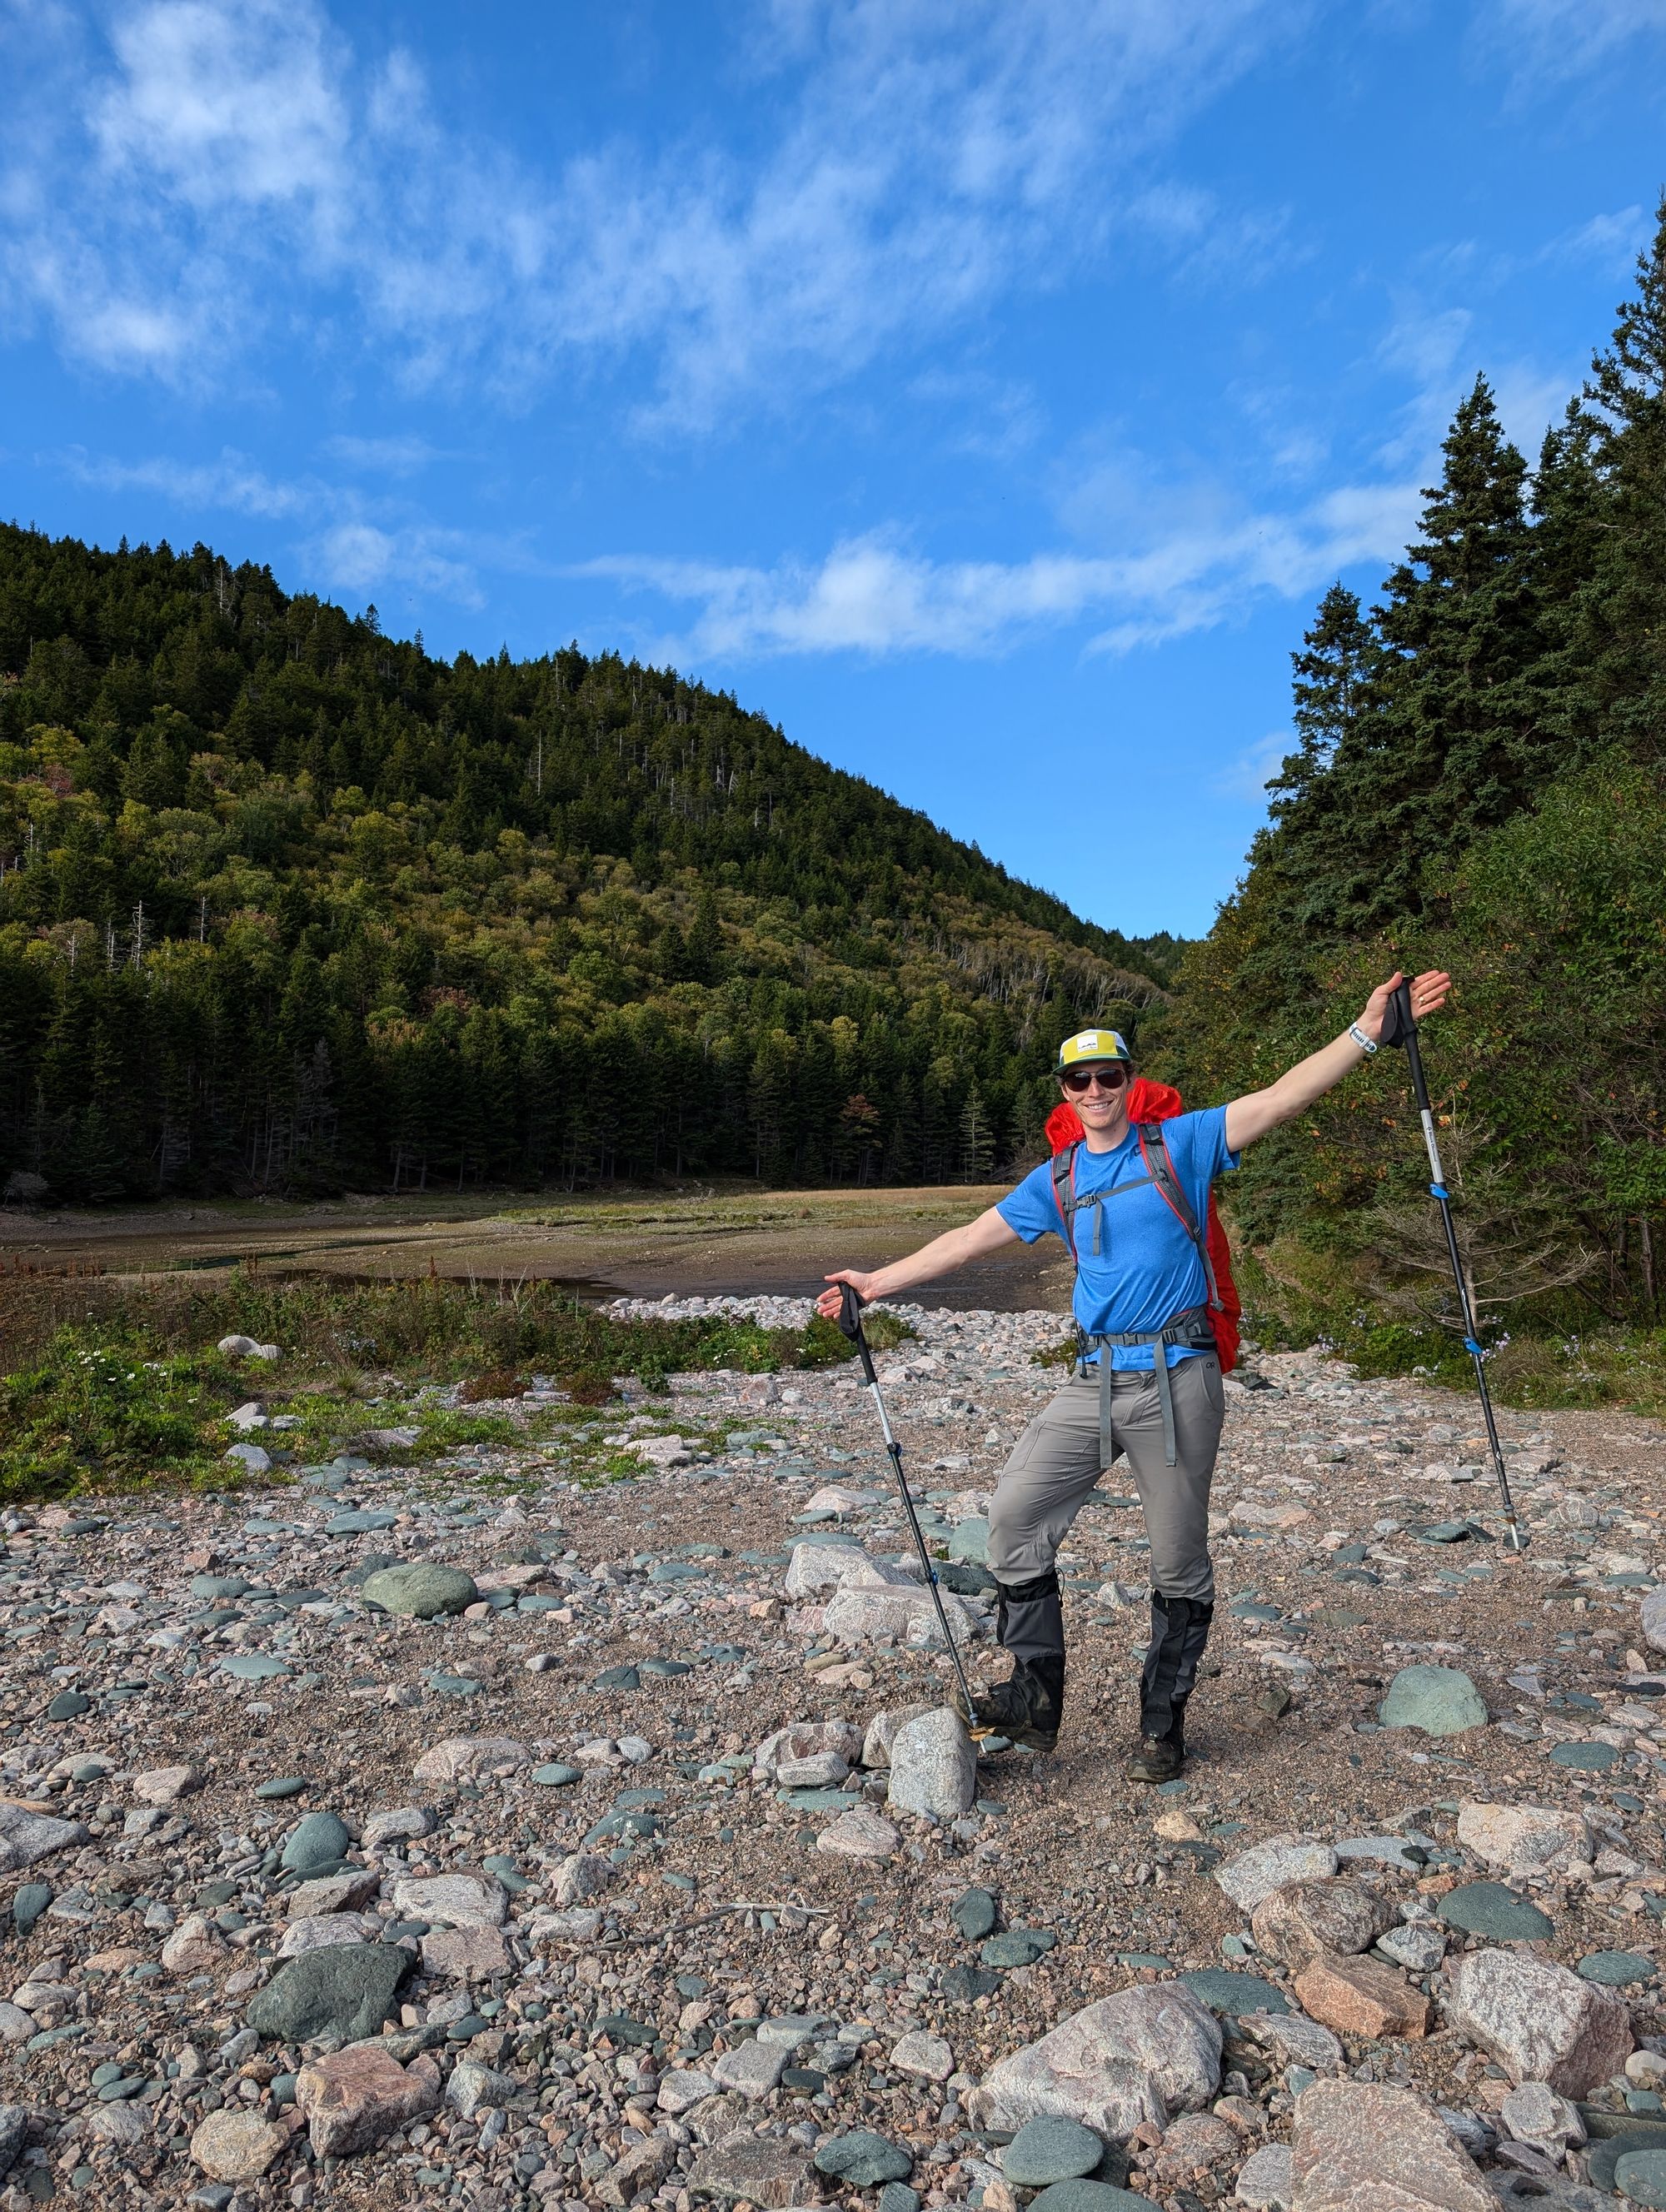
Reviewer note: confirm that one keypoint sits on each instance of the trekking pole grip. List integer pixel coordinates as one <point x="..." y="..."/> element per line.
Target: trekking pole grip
<point x="1400" y="1028"/>
<point x="850" y="1325"/>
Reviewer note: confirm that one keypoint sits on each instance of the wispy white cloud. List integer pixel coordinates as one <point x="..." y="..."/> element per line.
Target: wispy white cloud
<point x="1609" y="242"/>
<point x="868" y="595"/>
<point x="1199" y="577"/>
<point x="1561" y="38"/>
<point x="386" y="457"/>
<point x="1206" y="243"/>
<point x="232" y="483"/>
<point x="360" y="556"/>
<point x="1529" y="399"/>
<point x="170" y="190"/>
<point x="1247" y="776"/>
<point x="1434" y="349"/>
<point x="349" y="544"/>
<point x="223" y="106"/>
<point x="873" y="595"/>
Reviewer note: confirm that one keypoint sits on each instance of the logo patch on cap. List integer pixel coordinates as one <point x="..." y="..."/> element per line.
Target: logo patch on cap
<point x="1092" y="1044"/>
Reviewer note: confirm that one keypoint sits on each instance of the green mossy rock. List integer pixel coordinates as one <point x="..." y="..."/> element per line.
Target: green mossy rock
<point x="1439" y="1700"/>
<point x="421" y="1590"/>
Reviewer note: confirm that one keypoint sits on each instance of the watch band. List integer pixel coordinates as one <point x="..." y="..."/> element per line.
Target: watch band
<point x="1367" y="1045"/>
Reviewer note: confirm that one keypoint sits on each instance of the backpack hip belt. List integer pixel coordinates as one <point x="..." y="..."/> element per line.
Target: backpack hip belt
<point x="1191" y="1329"/>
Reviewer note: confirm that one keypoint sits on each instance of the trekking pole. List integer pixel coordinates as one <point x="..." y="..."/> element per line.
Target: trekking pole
<point x="850" y="1323"/>
<point x="1402" y="1030"/>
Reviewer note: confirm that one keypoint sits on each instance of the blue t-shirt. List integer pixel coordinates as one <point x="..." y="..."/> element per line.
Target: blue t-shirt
<point x="1146" y="1269"/>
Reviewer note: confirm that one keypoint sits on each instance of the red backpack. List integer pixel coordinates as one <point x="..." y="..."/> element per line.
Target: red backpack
<point x="1150" y="1104"/>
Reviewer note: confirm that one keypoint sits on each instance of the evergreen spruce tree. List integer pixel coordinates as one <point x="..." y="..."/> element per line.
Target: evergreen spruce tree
<point x="978" y="1144"/>
<point x="1570" y="510"/>
<point x="1313" y="848"/>
<point x="1622" y="632"/>
<point x="1449" y="756"/>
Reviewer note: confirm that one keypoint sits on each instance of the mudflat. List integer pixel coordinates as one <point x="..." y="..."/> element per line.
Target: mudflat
<point x="722" y="1242"/>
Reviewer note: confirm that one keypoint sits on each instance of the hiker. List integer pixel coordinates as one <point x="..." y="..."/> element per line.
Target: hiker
<point x="1130" y="1201"/>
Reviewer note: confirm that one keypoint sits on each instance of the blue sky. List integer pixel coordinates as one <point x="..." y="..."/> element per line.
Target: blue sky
<point x="984" y="392"/>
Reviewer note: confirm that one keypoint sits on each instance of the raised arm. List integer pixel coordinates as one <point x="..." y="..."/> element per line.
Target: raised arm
<point x="1258" y="1111"/>
<point x="940" y="1257"/>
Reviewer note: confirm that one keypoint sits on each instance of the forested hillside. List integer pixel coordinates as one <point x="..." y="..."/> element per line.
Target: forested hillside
<point x="287" y="905"/>
<point x="1479" y="784"/>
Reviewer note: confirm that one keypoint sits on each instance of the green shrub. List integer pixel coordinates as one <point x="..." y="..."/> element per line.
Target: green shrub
<point x="97" y="1412"/>
<point x="1405" y="1348"/>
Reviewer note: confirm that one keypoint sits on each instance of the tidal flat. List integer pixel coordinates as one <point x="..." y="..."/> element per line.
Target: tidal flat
<point x="717" y="1240"/>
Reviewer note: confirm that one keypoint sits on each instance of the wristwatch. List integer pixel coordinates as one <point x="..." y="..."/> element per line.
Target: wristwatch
<point x="1367" y="1045"/>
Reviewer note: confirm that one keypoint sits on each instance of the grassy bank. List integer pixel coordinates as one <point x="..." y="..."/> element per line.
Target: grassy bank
<point x="1557" y="1355"/>
<point x="106" y="1385"/>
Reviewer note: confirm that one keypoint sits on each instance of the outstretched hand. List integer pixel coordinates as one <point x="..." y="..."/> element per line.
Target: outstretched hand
<point x="1428" y="996"/>
<point x="830" y="1304"/>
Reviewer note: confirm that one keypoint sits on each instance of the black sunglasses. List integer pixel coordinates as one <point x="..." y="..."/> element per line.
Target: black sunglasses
<point x="1111" y="1077"/>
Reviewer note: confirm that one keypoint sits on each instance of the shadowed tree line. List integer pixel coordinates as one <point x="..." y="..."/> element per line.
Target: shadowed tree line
<point x="288" y="905"/>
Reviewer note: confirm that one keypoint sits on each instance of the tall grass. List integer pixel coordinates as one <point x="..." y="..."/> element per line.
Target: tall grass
<point x="448" y="1328"/>
<point x="102" y="1382"/>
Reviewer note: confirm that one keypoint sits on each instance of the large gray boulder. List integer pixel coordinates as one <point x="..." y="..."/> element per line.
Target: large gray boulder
<point x="1364" y="2146"/>
<point x="899" y="1614"/>
<point x="1534" y="2113"/>
<point x="1305" y="1919"/>
<point x="26" y="1837"/>
<point x="1252" y="1875"/>
<point x="1266" y="2182"/>
<point x="882" y="1731"/>
<point x="1653" y="1618"/>
<point x="14" y="2134"/>
<point x="347" y="1990"/>
<point x="814" y="1568"/>
<point x="934" y="1767"/>
<point x="1138" y="2056"/>
<point x="861" y="1833"/>
<point x="761" y="2170"/>
<point x="1297" y="2040"/>
<point x="1543" y="2023"/>
<point x="468" y="1758"/>
<point x="455" y="1900"/>
<point x="1520" y="1835"/>
<point x="831" y="1748"/>
<point x="421" y="1589"/>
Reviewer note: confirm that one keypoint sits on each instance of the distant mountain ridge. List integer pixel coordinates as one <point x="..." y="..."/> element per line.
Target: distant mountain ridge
<point x="288" y="904"/>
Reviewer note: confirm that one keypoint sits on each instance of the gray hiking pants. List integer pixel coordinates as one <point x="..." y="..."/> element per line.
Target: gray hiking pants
<point x="1055" y="1464"/>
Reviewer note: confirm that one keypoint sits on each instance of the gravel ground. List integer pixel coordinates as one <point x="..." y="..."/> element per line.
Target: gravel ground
<point x="555" y="2046"/>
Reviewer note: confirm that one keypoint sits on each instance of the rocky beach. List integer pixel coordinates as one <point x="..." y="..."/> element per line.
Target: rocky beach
<point x="386" y="1832"/>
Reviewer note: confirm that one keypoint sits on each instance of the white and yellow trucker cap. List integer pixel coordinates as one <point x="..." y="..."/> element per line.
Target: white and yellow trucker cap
<point x="1090" y="1045"/>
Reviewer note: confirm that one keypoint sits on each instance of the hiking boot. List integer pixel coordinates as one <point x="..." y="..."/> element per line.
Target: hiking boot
<point x="1159" y="1758"/>
<point x="1028" y="1706"/>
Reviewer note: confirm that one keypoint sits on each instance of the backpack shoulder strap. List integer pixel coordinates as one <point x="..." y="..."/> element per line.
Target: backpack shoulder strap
<point x="1064" y="1192"/>
<point x="1154" y="1151"/>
